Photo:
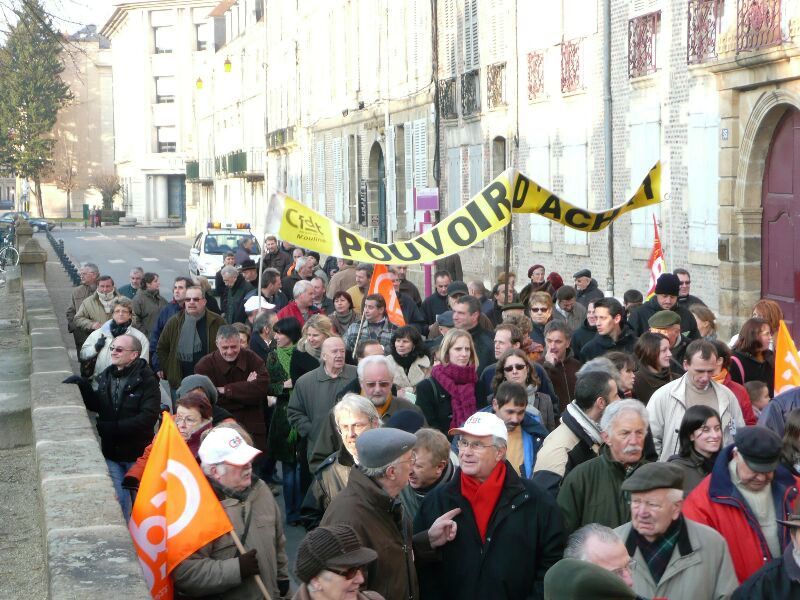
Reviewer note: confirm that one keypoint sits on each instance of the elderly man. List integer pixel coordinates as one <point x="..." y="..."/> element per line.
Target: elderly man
<point x="668" y="324"/>
<point x="359" y="290"/>
<point x="669" y="403"/>
<point x="232" y="295"/>
<point x="187" y="337"/>
<point x="591" y="493"/>
<point x="678" y="558"/>
<point x="612" y="331"/>
<point x="241" y="380"/>
<point x="746" y="492"/>
<point x="436" y="303"/>
<point x="578" y="438"/>
<point x="273" y="256"/>
<point x="567" y="307"/>
<point x="316" y="391"/>
<point x="89" y="274"/>
<point x="601" y="546"/>
<point x="431" y="469"/>
<point x="685" y="299"/>
<point x="509" y="530"/>
<point x="249" y="270"/>
<point x="320" y="301"/>
<point x="369" y="504"/>
<point x="129" y="289"/>
<point x="303" y="271"/>
<point x="218" y="569"/>
<point x="97" y="308"/>
<point x="466" y="312"/>
<point x="779" y="578"/>
<point x="374" y="326"/>
<point x="665" y="298"/>
<point x="586" y="287"/>
<point x="561" y="366"/>
<point x="302" y="306"/>
<point x="353" y="415"/>
<point x="126" y="401"/>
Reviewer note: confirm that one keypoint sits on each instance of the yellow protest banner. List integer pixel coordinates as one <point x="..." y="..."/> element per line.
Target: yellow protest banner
<point x="487" y="212"/>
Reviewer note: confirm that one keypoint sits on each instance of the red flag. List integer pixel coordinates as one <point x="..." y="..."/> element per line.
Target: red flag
<point x="657" y="264"/>
<point x="176" y="512"/>
<point x="381" y="284"/>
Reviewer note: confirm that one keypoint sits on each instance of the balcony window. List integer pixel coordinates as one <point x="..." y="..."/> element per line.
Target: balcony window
<point x="166" y="139"/>
<point x="535" y="75"/>
<point x="758" y="24"/>
<point x="447" y="98"/>
<point x="704" y="18"/>
<point x="164" y="37"/>
<point x="642" y="44"/>
<point x="470" y="93"/>
<point x="165" y="90"/>
<point x="571" y="73"/>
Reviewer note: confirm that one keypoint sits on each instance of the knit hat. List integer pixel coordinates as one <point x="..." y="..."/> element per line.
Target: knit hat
<point x="668" y="284"/>
<point x="332" y="546"/>
<point x="533" y="268"/>
<point x="191" y="382"/>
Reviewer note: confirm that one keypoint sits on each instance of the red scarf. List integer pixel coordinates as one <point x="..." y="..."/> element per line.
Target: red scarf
<point x="483" y="497"/>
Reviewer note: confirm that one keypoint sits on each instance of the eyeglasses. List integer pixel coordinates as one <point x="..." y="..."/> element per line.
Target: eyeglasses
<point x="187" y="420"/>
<point x="516" y="367"/>
<point x="629" y="568"/>
<point x="119" y="349"/>
<point x="192" y="299"/>
<point x="382" y="384"/>
<point x="539" y="309"/>
<point x="464" y="444"/>
<point x="347" y="573"/>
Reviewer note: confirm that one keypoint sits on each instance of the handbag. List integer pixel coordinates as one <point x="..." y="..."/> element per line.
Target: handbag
<point x="88" y="365"/>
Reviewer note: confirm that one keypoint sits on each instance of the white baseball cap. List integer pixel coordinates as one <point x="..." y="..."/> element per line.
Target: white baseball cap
<point x="253" y="304"/>
<point x="224" y="444"/>
<point x="482" y="424"/>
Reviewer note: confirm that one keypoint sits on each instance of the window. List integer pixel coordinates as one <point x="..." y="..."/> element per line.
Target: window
<point x="338" y="180"/>
<point x="475" y="154"/>
<point x="645" y="138"/>
<point x="320" y="173"/>
<point x="575" y="186"/>
<point x="167" y="138"/>
<point x="471" y="54"/>
<point x="201" y="36"/>
<point x="537" y="168"/>
<point x="453" y="180"/>
<point x="164" y="37"/>
<point x="703" y="182"/>
<point x="643" y="44"/>
<point x="165" y="90"/>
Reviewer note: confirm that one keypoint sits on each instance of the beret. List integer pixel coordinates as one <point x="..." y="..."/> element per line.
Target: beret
<point x="759" y="447"/>
<point x="533" y="268"/>
<point x="664" y="318"/>
<point x="379" y="447"/>
<point x="457" y="287"/>
<point x="668" y="284"/>
<point x="653" y="476"/>
<point x="583" y="273"/>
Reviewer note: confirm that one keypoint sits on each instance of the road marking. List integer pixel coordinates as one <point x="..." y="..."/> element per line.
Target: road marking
<point x="149" y="259"/>
<point x="186" y="260"/>
<point x="115" y="260"/>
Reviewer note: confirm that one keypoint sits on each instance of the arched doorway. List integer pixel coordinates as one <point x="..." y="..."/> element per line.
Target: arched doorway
<point x="376" y="194"/>
<point x="780" y="228"/>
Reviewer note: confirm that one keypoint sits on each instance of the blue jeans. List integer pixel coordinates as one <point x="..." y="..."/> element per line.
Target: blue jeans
<point x="292" y="495"/>
<point x="117" y="471"/>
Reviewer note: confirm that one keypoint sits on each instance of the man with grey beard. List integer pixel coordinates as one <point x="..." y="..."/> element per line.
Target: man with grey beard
<point x="592" y="493"/>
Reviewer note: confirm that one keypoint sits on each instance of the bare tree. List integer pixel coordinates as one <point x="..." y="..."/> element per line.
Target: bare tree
<point x="109" y="186"/>
<point x="65" y="171"/>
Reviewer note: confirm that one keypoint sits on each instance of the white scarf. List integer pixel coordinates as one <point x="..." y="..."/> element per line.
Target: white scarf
<point x="591" y="428"/>
<point x="106" y="299"/>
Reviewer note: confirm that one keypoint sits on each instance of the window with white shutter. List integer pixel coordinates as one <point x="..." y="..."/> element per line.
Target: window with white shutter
<point x="391" y="184"/>
<point x="497" y="38"/>
<point x="537" y="168"/>
<point x="576" y="189"/>
<point x="471" y="49"/>
<point x="448" y="38"/>
<point x="338" y="180"/>
<point x="408" y="171"/>
<point x="645" y="150"/>
<point x="475" y="156"/>
<point x="420" y="153"/>
<point x="308" y="179"/>
<point x="320" y="177"/>
<point x="346" y="196"/>
<point x="703" y="182"/>
<point x="453" y="180"/>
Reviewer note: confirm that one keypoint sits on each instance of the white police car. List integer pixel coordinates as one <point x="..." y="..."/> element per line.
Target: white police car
<point x="209" y="247"/>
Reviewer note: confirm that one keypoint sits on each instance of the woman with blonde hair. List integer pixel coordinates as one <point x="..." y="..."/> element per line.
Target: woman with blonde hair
<point x="452" y="392"/>
<point x="706" y="321"/>
<point x="305" y="358"/>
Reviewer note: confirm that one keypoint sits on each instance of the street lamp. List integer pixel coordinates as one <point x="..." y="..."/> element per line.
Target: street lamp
<point x="227" y="65"/>
<point x="199" y="83"/>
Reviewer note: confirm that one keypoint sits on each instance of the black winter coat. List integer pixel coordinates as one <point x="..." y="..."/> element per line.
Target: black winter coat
<point x="591" y="293"/>
<point x="639" y="317"/>
<point x="779" y="579"/>
<point x="125" y="431"/>
<point x="601" y="344"/>
<point x="580" y="337"/>
<point x="754" y="370"/>
<point x="435" y="402"/>
<point x="524" y="539"/>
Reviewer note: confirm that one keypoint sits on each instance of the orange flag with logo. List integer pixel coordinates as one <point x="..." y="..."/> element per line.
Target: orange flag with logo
<point x="657" y="264"/>
<point x="787" y="361"/>
<point x="176" y="512"/>
<point x="381" y="284"/>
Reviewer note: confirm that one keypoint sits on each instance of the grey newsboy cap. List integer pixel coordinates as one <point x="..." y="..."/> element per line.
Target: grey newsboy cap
<point x="654" y="476"/>
<point x="379" y="447"/>
<point x="445" y="319"/>
<point x="583" y="273"/>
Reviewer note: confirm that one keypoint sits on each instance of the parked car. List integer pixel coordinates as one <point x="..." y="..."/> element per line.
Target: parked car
<point x="205" y="256"/>
<point x="6" y="204"/>
<point x="36" y="223"/>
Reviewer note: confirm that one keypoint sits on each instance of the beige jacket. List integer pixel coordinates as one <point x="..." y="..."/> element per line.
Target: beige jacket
<point x="419" y="370"/>
<point x="91" y="311"/>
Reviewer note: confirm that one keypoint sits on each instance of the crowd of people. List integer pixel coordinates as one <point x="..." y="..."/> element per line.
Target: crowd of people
<point x="548" y="443"/>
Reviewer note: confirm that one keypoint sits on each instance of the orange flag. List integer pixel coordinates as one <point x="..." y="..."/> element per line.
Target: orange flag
<point x="176" y="512"/>
<point x="657" y="264"/>
<point x="381" y="284"/>
<point x="787" y="361"/>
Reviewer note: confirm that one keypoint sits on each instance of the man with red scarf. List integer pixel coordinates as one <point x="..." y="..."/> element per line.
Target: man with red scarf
<point x="509" y="531"/>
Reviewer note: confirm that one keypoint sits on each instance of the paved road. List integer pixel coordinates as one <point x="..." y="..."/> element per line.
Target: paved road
<point x="117" y="249"/>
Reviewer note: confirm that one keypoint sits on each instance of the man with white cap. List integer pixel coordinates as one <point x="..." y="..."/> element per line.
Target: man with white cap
<point x="219" y="569"/>
<point x="509" y="529"/>
<point x="370" y="505"/>
<point x="254" y="306"/>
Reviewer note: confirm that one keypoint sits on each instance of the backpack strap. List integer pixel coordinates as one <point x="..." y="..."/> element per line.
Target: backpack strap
<point x="735" y="359"/>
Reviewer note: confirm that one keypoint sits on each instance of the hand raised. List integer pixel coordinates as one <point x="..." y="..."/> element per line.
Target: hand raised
<point x="444" y="529"/>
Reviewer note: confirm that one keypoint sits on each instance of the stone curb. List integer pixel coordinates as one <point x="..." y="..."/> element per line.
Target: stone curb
<point x="88" y="547"/>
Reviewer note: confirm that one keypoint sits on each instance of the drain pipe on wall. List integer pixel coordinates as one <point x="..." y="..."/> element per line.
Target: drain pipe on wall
<point x="608" y="154"/>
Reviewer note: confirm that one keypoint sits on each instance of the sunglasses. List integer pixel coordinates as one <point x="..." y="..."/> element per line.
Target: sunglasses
<point x="118" y="349"/>
<point x="517" y="367"/>
<point x="539" y="310"/>
<point x="348" y="573"/>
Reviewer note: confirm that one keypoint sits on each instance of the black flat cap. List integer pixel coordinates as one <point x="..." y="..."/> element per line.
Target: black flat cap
<point x="759" y="447"/>
<point x="654" y="476"/>
<point x="583" y="273"/>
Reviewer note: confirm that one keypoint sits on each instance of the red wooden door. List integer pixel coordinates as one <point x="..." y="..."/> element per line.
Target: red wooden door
<point x="780" y="229"/>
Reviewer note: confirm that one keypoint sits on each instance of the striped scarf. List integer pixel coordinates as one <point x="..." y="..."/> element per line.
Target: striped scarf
<point x="657" y="554"/>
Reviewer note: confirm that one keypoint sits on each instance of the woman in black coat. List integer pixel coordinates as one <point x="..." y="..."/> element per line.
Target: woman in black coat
<point x="752" y="358"/>
<point x="653" y="358"/>
<point x="700" y="437"/>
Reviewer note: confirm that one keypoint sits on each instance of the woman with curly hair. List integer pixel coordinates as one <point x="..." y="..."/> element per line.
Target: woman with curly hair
<point x="408" y="359"/>
<point x="515" y="367"/>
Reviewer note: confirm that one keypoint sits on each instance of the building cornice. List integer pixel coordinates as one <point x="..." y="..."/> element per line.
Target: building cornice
<point x="122" y="9"/>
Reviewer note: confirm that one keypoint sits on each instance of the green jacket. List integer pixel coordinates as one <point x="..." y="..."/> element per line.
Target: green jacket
<point x="168" y="344"/>
<point x="282" y="440"/>
<point x="592" y="493"/>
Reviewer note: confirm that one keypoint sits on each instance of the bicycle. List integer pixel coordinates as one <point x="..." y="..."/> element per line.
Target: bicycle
<point x="9" y="255"/>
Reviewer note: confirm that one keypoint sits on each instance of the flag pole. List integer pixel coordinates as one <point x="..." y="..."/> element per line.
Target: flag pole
<point x="259" y="581"/>
<point x="358" y="335"/>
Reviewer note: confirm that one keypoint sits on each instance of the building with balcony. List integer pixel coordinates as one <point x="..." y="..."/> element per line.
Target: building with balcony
<point x="157" y="49"/>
